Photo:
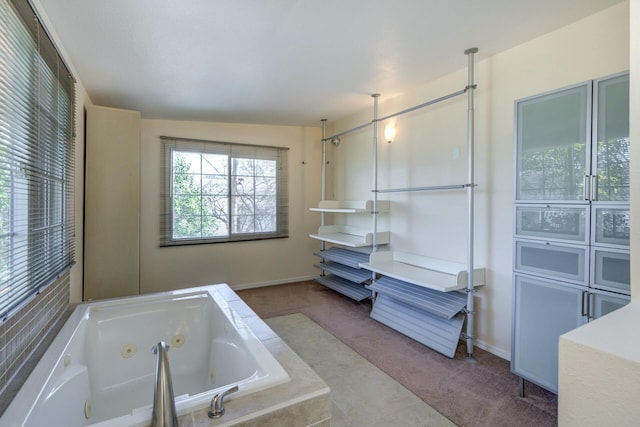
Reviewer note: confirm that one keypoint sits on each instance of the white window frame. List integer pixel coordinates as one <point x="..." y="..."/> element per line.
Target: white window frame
<point x="226" y="210"/>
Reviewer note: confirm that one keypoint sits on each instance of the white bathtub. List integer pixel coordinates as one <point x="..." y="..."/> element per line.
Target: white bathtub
<point x="100" y="370"/>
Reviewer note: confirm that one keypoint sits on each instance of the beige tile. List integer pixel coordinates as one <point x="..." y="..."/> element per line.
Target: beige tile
<point x="416" y="415"/>
<point x="241" y="309"/>
<point x="323" y="423"/>
<point x="261" y="330"/>
<point x="361" y="394"/>
<point x="305" y="413"/>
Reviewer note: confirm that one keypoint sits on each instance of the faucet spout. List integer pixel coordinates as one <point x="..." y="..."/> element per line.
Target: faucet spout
<point x="164" y="406"/>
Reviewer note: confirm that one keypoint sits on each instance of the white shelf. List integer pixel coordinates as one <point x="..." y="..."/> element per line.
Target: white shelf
<point x="440" y="275"/>
<point x="349" y="236"/>
<point x="351" y="206"/>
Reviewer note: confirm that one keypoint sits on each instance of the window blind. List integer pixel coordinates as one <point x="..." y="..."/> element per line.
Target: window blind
<point x="220" y="192"/>
<point x="36" y="158"/>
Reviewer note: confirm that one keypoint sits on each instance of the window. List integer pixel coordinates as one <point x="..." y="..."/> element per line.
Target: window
<point x="221" y="192"/>
<point x="36" y="158"/>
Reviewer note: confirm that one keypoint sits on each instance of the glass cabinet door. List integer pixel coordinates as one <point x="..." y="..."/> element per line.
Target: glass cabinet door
<point x="553" y="222"/>
<point x="611" y="270"/>
<point x="602" y="303"/>
<point x="543" y="310"/>
<point x="553" y="260"/>
<point x="552" y="142"/>
<point x="611" y="225"/>
<point x="611" y="140"/>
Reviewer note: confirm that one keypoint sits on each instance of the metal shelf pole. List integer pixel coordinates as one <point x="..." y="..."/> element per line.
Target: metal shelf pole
<point x="374" y="214"/>
<point x="324" y="183"/>
<point x="425" y="104"/>
<point x="470" y="206"/>
<point x="431" y="188"/>
<point x="346" y="132"/>
<point x="374" y="184"/>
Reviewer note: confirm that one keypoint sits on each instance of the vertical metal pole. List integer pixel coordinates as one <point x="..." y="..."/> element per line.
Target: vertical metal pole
<point x="374" y="214"/>
<point x="324" y="162"/>
<point x="470" y="189"/>
<point x="323" y="179"/>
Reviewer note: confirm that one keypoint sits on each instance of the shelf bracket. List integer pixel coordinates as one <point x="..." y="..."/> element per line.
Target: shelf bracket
<point x="465" y="336"/>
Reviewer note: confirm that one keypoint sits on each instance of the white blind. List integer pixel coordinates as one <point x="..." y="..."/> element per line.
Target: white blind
<point x="36" y="157"/>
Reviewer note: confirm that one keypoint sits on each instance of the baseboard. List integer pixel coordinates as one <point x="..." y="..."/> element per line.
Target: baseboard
<point x="272" y="283"/>
<point x="493" y="350"/>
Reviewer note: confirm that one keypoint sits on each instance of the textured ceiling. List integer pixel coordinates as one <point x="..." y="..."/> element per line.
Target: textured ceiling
<point x="286" y="62"/>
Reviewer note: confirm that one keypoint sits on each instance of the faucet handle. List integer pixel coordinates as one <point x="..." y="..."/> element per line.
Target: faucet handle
<point x="216" y="409"/>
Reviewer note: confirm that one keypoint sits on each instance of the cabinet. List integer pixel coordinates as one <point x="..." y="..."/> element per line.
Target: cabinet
<point x="544" y="309"/>
<point x="571" y="237"/>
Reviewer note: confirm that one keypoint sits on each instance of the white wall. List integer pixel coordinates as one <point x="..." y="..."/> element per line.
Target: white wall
<point x="240" y="264"/>
<point x="433" y="224"/>
<point x="112" y="164"/>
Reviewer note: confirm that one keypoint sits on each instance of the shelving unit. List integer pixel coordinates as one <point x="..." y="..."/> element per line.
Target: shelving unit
<point x="424" y="298"/>
<point x="345" y="275"/>
<point x="340" y="267"/>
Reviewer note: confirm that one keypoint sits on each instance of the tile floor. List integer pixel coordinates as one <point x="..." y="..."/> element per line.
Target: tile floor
<point x="361" y="394"/>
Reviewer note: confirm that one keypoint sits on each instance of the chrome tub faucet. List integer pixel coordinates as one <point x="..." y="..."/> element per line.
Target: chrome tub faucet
<point x="164" y="405"/>
<point x="216" y="409"/>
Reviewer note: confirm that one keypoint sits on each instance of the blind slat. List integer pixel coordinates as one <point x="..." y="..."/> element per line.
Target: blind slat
<point x="37" y="113"/>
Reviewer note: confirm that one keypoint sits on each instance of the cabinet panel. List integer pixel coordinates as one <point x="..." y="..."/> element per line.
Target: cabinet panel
<point x="611" y="138"/>
<point x="552" y="142"/>
<point x="544" y="310"/>
<point x="611" y="270"/>
<point x="552" y="222"/>
<point x="556" y="261"/>
<point x="611" y="225"/>
<point x="605" y="302"/>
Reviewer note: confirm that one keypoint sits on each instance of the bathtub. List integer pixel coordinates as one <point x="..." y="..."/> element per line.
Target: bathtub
<point x="100" y="371"/>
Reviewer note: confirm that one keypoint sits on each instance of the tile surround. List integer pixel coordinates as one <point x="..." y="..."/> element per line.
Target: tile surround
<point x="303" y="401"/>
<point x="24" y="332"/>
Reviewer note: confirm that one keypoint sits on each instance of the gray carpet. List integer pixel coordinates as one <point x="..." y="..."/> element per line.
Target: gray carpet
<point x="482" y="394"/>
<point x="361" y="394"/>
